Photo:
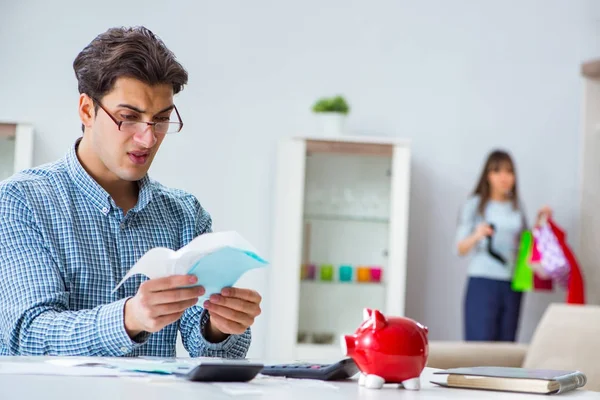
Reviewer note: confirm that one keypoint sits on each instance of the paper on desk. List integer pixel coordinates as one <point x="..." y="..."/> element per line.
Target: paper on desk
<point x="41" y="368"/>
<point x="73" y="361"/>
<point x="164" y="366"/>
<point x="218" y="259"/>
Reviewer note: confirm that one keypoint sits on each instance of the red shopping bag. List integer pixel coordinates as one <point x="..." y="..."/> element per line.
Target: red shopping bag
<point x="576" y="287"/>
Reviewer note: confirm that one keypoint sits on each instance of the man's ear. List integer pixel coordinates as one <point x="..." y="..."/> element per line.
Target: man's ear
<point x="86" y="110"/>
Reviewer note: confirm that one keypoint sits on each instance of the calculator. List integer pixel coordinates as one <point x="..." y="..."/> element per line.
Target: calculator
<point x="339" y="370"/>
<point x="222" y="371"/>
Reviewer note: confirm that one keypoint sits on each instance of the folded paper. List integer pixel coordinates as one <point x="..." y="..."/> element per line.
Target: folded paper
<point x="217" y="259"/>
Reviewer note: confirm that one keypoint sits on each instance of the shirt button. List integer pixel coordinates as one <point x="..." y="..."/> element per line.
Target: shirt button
<point x="124" y="349"/>
<point x="122" y="225"/>
<point x="104" y="210"/>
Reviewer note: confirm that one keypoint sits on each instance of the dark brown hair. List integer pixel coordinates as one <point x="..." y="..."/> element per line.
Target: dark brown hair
<point x="497" y="160"/>
<point x="126" y="52"/>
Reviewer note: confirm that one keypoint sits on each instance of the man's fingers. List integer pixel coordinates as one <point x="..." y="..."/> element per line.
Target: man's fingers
<point x="175" y="295"/>
<point x="236" y="304"/>
<point x="244" y="294"/>
<point x="226" y="325"/>
<point x="171" y="308"/>
<point x="232" y="315"/>
<point x="157" y="324"/>
<point x="169" y="282"/>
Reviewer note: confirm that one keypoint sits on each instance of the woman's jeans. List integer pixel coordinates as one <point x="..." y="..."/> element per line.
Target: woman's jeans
<point x="492" y="310"/>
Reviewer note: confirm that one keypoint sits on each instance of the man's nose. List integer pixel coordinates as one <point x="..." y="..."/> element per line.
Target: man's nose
<point x="146" y="137"/>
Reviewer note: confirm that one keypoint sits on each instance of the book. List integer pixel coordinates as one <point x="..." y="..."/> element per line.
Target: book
<point x="511" y="379"/>
<point x="218" y="259"/>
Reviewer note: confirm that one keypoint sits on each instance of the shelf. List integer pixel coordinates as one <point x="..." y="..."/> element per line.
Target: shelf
<point x="329" y="284"/>
<point x="318" y="352"/>
<point x="336" y="307"/>
<point x="347" y="218"/>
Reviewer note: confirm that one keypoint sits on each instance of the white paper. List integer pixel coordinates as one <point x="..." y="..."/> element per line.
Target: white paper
<point x="76" y="362"/>
<point x="209" y="242"/>
<point x="218" y="259"/>
<point x="41" y="368"/>
<point x="137" y="366"/>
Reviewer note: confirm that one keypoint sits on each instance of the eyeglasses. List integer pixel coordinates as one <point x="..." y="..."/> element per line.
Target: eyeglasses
<point x="136" y="127"/>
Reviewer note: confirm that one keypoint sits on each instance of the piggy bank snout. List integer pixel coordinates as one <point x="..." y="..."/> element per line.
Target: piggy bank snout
<point x="348" y="343"/>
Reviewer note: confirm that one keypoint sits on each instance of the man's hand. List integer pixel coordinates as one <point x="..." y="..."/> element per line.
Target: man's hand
<point x="231" y="312"/>
<point x="160" y="302"/>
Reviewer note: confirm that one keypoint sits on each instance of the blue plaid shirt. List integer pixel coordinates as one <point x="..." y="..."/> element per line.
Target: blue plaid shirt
<point x="64" y="246"/>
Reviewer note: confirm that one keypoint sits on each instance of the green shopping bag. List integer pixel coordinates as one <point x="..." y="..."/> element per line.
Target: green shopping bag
<point x="523" y="275"/>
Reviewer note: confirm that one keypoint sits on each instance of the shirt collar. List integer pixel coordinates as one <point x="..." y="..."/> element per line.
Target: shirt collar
<point x="98" y="196"/>
<point x="145" y="195"/>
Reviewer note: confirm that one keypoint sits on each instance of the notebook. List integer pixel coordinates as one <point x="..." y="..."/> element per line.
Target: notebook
<point x="512" y="379"/>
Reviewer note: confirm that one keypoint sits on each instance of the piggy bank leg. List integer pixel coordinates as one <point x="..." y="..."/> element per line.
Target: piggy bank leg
<point x="374" y="382"/>
<point x="361" y="379"/>
<point x="412" y="384"/>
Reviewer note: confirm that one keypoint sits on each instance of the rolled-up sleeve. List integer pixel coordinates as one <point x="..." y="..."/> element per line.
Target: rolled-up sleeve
<point x="34" y="314"/>
<point x="466" y="221"/>
<point x="192" y="326"/>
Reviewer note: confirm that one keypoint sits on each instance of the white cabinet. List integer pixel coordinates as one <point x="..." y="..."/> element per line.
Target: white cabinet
<point x="589" y="251"/>
<point x="340" y="240"/>
<point x="16" y="148"/>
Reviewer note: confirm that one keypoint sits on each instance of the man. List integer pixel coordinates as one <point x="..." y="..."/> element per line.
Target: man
<point x="71" y="229"/>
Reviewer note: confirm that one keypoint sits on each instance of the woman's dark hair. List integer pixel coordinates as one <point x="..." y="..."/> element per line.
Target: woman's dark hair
<point x="126" y="52"/>
<point x="497" y="160"/>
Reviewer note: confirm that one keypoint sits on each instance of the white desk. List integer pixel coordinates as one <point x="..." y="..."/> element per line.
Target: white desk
<point x="24" y="387"/>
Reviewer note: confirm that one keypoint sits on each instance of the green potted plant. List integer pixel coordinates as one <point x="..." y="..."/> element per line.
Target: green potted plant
<point x="332" y="113"/>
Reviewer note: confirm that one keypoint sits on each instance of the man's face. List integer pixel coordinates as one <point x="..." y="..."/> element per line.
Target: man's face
<point x="127" y="154"/>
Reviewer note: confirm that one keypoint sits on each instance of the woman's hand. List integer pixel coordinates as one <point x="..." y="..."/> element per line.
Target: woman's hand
<point x="483" y="230"/>
<point x="543" y="214"/>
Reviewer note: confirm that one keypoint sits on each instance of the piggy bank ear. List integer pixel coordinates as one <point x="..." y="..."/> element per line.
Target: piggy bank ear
<point x="378" y="320"/>
<point x="366" y="314"/>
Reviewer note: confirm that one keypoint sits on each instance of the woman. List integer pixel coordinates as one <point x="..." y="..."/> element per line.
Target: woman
<point x="490" y="226"/>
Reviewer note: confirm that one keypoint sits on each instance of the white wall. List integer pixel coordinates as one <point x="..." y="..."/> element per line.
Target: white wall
<point x="456" y="77"/>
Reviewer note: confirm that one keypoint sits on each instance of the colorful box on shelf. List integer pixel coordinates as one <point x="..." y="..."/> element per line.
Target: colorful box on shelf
<point x="326" y="272"/>
<point x="376" y="273"/>
<point x="346" y="273"/>
<point x="308" y="271"/>
<point x="363" y="274"/>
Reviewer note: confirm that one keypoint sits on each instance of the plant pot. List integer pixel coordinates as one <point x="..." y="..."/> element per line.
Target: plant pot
<point x="331" y="124"/>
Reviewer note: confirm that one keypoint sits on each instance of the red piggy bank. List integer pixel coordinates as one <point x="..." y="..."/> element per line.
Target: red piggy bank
<point x="388" y="350"/>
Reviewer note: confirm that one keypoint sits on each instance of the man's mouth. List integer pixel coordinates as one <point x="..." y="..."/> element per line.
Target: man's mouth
<point x="138" y="157"/>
